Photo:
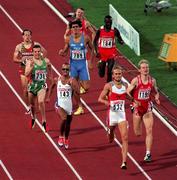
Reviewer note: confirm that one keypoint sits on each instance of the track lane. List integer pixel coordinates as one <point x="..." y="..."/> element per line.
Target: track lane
<point x="80" y="124"/>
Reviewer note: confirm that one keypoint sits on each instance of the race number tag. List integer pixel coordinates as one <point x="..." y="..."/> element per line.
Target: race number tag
<point x="106" y="42"/>
<point x="144" y="94"/>
<point x="40" y="75"/>
<point x="117" y="106"/>
<point x="64" y="93"/>
<point x="77" y="54"/>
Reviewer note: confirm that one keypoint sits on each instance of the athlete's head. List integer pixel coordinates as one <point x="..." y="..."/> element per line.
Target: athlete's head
<point x="117" y="73"/>
<point x="75" y="24"/>
<point x="108" y="21"/>
<point x="37" y="51"/>
<point x="27" y="35"/>
<point x="65" y="69"/>
<point x="79" y="13"/>
<point x="143" y="66"/>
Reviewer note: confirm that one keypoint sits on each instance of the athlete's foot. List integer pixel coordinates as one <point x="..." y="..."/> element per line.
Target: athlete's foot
<point x="148" y="158"/>
<point x="123" y="165"/>
<point x="28" y="111"/>
<point x="66" y="143"/>
<point x="32" y="123"/>
<point x="82" y="90"/>
<point x="45" y="127"/>
<point x="60" y="141"/>
<point x="79" y="111"/>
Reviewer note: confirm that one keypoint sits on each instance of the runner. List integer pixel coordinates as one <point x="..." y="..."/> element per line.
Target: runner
<point x="105" y="47"/>
<point x="141" y="90"/>
<point x="37" y="70"/>
<point x="77" y="43"/>
<point x="88" y="29"/>
<point x="22" y="53"/>
<point x="66" y="86"/>
<point x="113" y="96"/>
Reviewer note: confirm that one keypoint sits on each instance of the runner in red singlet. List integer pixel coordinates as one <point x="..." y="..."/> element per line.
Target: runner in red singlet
<point x="141" y="90"/>
<point x="105" y="47"/>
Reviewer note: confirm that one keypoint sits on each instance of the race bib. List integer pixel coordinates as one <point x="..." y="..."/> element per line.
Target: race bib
<point x="40" y="75"/>
<point x="106" y="42"/>
<point x="64" y="93"/>
<point x="77" y="54"/>
<point x="117" y="106"/>
<point x="144" y="94"/>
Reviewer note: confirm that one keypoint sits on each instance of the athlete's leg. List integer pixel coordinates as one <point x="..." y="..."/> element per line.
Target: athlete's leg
<point x="101" y="68"/>
<point x="41" y="102"/>
<point x="148" y="122"/>
<point x="24" y="84"/>
<point x="124" y="137"/>
<point x="109" y="69"/>
<point x="68" y="126"/>
<point x="137" y="124"/>
<point x="111" y="133"/>
<point x="32" y="99"/>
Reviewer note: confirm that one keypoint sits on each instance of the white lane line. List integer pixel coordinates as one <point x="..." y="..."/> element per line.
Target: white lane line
<point x="138" y="166"/>
<point x="5" y="170"/>
<point x="40" y="126"/>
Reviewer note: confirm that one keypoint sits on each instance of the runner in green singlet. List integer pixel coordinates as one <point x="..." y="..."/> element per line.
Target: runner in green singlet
<point x="37" y="69"/>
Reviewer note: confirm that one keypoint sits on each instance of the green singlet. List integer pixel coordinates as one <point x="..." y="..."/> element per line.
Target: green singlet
<point x="38" y="78"/>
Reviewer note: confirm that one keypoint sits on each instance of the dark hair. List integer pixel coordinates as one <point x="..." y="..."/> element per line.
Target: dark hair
<point x="80" y="8"/>
<point x="78" y="22"/>
<point x="26" y="30"/>
<point x="107" y="17"/>
<point x="36" y="46"/>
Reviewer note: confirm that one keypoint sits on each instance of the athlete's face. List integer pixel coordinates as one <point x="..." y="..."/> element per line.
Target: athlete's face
<point x="75" y="29"/>
<point x="144" y="69"/>
<point x="65" y="70"/>
<point x="108" y="23"/>
<point x="27" y="36"/>
<point x="79" y="14"/>
<point x="117" y="75"/>
<point x="37" y="53"/>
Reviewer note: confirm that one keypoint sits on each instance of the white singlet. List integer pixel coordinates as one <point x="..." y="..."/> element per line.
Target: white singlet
<point x="64" y="97"/>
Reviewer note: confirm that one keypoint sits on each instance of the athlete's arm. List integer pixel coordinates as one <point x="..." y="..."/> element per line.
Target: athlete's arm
<point x="90" y="45"/>
<point x="64" y="51"/>
<point x="156" y="92"/>
<point x="29" y="67"/>
<point x="75" y="86"/>
<point x="117" y="34"/>
<point x="95" y="42"/>
<point x="17" y="56"/>
<point x="103" y="96"/>
<point x="131" y="87"/>
<point x="67" y="32"/>
<point x="91" y="29"/>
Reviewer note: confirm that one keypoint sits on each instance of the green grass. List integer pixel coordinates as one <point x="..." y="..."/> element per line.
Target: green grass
<point x="151" y="28"/>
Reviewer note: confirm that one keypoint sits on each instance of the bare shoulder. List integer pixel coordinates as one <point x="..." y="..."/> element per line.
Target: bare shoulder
<point x="19" y="46"/>
<point x="47" y="60"/>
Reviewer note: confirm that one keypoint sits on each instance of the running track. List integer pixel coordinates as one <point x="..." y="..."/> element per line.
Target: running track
<point x="28" y="154"/>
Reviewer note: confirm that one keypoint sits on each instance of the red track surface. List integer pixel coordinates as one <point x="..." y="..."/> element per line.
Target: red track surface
<point x="27" y="154"/>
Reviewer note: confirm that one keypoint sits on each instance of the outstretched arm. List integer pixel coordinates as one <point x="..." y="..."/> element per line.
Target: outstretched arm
<point x="117" y="34"/>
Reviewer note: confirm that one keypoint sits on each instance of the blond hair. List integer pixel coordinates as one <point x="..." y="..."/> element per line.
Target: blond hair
<point x="143" y="61"/>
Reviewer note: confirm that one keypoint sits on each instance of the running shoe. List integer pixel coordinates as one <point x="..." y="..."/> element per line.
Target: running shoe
<point x="79" y="111"/>
<point x="44" y="124"/>
<point x="124" y="165"/>
<point x="148" y="158"/>
<point x="82" y="90"/>
<point x="28" y="111"/>
<point x="66" y="143"/>
<point x="60" y="141"/>
<point x="32" y="123"/>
